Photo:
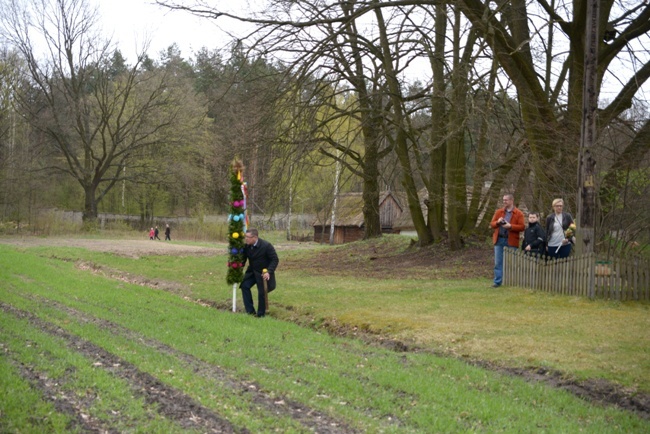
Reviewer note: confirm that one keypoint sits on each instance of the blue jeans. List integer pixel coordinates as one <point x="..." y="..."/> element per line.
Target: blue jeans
<point x="498" y="259"/>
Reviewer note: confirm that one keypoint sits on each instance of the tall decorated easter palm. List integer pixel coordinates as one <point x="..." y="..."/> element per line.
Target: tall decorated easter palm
<point x="237" y="224"/>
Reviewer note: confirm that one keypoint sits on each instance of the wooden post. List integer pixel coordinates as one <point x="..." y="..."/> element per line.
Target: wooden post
<point x="590" y="278"/>
<point x="234" y="297"/>
<point x="266" y="291"/>
<point x="586" y="164"/>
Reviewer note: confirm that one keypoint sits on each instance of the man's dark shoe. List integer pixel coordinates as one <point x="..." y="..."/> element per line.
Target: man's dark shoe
<point x="260" y="316"/>
<point x="495" y="286"/>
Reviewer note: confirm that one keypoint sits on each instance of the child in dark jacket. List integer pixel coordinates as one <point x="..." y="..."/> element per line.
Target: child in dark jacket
<point x="534" y="236"/>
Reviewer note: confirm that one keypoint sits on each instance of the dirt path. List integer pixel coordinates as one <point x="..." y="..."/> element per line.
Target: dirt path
<point x="130" y="248"/>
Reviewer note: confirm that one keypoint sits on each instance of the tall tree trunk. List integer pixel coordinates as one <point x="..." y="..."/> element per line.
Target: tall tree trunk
<point x="477" y="201"/>
<point x="586" y="197"/>
<point x="401" y="139"/>
<point x="371" y="122"/>
<point x="90" y="204"/>
<point x="456" y="158"/>
<point x="438" y="140"/>
<point x="370" y="194"/>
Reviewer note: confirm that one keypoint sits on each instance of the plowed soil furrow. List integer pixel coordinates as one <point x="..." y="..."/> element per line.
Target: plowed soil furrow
<point x="308" y="417"/>
<point x="412" y="263"/>
<point x="598" y="390"/>
<point x="170" y="402"/>
<point x="65" y="403"/>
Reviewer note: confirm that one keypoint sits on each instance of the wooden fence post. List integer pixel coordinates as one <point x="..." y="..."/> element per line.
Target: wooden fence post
<point x="590" y="265"/>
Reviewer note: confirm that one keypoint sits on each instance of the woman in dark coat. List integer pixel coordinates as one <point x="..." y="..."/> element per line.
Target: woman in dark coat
<point x="557" y="244"/>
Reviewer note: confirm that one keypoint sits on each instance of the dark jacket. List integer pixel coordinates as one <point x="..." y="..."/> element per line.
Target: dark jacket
<point x="259" y="257"/>
<point x="567" y="219"/>
<point x="535" y="237"/>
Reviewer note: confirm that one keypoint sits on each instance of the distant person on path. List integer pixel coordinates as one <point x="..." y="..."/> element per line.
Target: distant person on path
<point x="534" y="236"/>
<point x="151" y="233"/>
<point x="155" y="233"/>
<point x="168" y="233"/>
<point x="558" y="246"/>
<point x="507" y="223"/>
<point x="261" y="256"/>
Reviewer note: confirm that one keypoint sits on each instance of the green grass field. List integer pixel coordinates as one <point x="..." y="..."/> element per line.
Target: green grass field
<point x="101" y="341"/>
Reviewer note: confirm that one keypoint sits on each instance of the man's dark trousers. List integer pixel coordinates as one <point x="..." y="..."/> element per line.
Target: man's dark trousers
<point x="247" y="296"/>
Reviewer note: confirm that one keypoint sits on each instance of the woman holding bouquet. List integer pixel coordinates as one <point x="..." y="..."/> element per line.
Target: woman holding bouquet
<point x="559" y="231"/>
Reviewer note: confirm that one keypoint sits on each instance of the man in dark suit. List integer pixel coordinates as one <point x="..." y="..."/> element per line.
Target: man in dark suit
<point x="262" y="262"/>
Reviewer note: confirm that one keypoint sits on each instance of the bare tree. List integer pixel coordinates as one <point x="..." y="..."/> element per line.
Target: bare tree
<point x="362" y="48"/>
<point x="326" y="48"/>
<point x="551" y="95"/>
<point x="94" y="119"/>
<point x="367" y="45"/>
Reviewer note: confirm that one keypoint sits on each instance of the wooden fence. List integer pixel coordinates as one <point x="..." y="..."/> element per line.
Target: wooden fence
<point x="585" y="275"/>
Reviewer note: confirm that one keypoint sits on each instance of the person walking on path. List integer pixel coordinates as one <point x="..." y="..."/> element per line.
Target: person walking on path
<point x="168" y="233"/>
<point x="151" y="233"/>
<point x="155" y="233"/>
<point x="262" y="263"/>
<point x="507" y="223"/>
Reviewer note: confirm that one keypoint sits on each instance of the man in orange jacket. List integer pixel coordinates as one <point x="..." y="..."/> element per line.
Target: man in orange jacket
<point x="507" y="223"/>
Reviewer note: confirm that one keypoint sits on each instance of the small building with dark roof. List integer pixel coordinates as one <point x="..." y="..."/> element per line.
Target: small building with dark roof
<point x="348" y="218"/>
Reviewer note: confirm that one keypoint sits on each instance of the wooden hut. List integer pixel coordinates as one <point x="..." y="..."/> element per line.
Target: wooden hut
<point x="348" y="220"/>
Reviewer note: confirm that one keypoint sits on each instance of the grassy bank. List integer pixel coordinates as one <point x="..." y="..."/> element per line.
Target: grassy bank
<point x="64" y="308"/>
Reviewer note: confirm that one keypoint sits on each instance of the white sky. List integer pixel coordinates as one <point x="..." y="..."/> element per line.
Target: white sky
<point x="130" y="23"/>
